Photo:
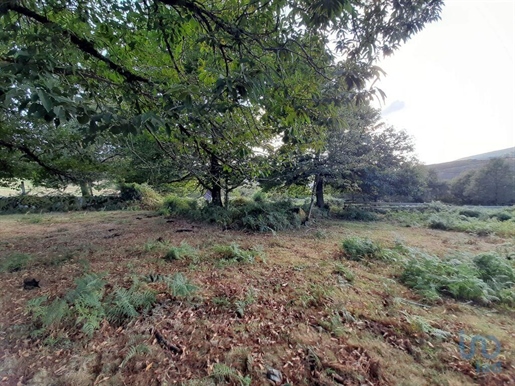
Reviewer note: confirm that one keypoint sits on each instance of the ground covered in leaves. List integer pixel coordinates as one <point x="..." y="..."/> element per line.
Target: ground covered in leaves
<point x="131" y="298"/>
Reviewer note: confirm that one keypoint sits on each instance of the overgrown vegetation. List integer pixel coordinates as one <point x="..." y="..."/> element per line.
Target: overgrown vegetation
<point x="15" y="262"/>
<point x="260" y="215"/>
<point x="87" y="305"/>
<point x="486" y="279"/>
<point x="183" y="251"/>
<point x="358" y="249"/>
<point x="233" y="253"/>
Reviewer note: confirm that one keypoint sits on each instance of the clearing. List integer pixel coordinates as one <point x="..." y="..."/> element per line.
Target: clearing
<point x="225" y="307"/>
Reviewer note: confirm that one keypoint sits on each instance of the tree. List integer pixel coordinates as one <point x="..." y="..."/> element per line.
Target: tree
<point x="493" y="184"/>
<point x="459" y="187"/>
<point x="436" y="190"/>
<point x="199" y="72"/>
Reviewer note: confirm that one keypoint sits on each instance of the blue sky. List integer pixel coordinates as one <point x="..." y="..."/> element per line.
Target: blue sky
<point x="452" y="86"/>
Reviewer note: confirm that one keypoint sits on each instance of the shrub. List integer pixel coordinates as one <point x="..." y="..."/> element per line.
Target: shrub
<point x="180" y="206"/>
<point x="501" y="216"/>
<point x="470" y="213"/>
<point x="259" y="196"/>
<point x="353" y="213"/>
<point x="440" y="222"/>
<point x="358" y="249"/>
<point x="148" y="198"/>
<point x="15" y="262"/>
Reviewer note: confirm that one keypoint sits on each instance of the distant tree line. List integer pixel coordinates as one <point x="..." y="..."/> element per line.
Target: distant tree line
<point x="493" y="184"/>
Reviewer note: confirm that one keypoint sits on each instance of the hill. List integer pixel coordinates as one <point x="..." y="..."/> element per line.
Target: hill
<point x="447" y="171"/>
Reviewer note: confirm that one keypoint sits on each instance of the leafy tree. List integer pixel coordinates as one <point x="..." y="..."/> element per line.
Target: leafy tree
<point x="194" y="74"/>
<point x="436" y="190"/>
<point x="493" y="184"/>
<point x="459" y="187"/>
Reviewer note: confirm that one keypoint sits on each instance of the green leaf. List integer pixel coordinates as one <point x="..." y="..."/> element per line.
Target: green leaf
<point x="45" y="100"/>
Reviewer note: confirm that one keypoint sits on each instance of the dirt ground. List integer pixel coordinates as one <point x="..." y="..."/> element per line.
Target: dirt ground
<point x="292" y="310"/>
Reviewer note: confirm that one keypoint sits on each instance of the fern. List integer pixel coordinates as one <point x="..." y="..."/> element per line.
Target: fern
<point x="180" y="286"/>
<point x="184" y="251"/>
<point x="126" y="304"/>
<point x="222" y="373"/>
<point x="139" y="349"/>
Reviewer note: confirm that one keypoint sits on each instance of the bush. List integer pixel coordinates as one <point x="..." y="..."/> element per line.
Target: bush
<point x="470" y="213"/>
<point x="148" y="198"/>
<point x="440" y="222"/>
<point x="256" y="216"/>
<point x="358" y="249"/>
<point x="501" y="216"/>
<point x="177" y="206"/>
<point x="484" y="279"/>
<point x="353" y="213"/>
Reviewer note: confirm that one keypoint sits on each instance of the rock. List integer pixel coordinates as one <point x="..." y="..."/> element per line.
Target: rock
<point x="275" y="376"/>
<point x="29" y="284"/>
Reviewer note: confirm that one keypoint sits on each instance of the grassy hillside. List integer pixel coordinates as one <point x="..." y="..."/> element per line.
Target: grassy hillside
<point x="447" y="171"/>
<point x="135" y="298"/>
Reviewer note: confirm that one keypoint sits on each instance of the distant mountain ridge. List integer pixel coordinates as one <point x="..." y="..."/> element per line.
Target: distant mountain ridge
<point x="504" y="153"/>
<point x="447" y="171"/>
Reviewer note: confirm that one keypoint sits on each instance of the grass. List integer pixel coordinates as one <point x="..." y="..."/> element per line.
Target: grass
<point x="15" y="262"/>
<point x="213" y="315"/>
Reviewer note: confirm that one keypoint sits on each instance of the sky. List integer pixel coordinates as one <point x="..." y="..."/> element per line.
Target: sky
<point x="452" y="86"/>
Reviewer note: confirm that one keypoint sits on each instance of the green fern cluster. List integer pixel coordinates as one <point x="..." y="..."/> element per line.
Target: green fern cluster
<point x="357" y="249"/>
<point x="180" y="286"/>
<point x="485" y="279"/>
<point x="234" y="253"/>
<point x="86" y="306"/>
<point x="125" y="304"/>
<point x="183" y="251"/>
<point x="223" y="373"/>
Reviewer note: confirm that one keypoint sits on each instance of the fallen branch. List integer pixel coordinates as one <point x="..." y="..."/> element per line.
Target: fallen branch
<point x="165" y="344"/>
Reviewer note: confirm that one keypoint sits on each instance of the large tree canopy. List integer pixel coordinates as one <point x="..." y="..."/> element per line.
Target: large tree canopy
<point x="208" y="81"/>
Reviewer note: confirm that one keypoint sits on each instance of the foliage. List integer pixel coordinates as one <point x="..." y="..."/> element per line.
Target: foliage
<point x="177" y="206"/>
<point x="261" y="216"/>
<point x="146" y="197"/>
<point x="87" y="306"/>
<point x="60" y="203"/>
<point x="183" y="251"/>
<point x="484" y="279"/>
<point x="126" y="304"/>
<point x="15" y="262"/>
<point x="493" y="184"/>
<point x="234" y="253"/>
<point x="180" y="286"/>
<point x="359" y="249"/>
<point x="172" y="89"/>
<point x="445" y="217"/>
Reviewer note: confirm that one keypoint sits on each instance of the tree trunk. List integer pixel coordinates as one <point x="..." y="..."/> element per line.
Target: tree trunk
<point x="85" y="189"/>
<point x="22" y="187"/>
<point x="216" y="187"/>
<point x="319" y="191"/>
